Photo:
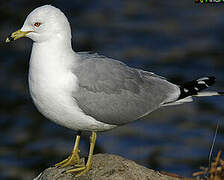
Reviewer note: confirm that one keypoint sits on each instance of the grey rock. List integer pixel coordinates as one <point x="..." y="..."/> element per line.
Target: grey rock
<point x="106" y="167"/>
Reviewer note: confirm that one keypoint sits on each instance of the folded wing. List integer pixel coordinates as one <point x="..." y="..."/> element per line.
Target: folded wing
<point x="114" y="93"/>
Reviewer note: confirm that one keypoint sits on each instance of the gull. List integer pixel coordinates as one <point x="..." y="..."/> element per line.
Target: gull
<point x="91" y="92"/>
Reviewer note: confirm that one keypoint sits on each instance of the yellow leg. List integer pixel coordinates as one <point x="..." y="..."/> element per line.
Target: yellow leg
<point x="88" y="165"/>
<point x="74" y="159"/>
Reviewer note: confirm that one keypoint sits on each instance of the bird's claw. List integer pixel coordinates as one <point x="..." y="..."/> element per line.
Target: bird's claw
<point x="71" y="160"/>
<point x="81" y="168"/>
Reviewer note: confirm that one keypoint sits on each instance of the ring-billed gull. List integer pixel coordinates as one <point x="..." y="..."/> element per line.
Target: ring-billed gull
<point x="90" y="92"/>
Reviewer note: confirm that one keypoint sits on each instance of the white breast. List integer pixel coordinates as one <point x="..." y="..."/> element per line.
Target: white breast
<point x="51" y="83"/>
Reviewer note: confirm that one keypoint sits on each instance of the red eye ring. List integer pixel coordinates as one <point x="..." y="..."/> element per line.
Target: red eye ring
<point x="37" y="24"/>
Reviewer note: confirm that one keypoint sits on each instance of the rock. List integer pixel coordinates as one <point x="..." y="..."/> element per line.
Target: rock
<point x="106" y="167"/>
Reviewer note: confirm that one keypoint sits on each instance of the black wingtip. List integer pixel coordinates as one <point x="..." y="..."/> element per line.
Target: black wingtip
<point x="221" y="93"/>
<point x="193" y="87"/>
<point x="211" y="80"/>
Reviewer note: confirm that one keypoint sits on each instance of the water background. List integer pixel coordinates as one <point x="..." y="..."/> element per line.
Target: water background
<point x="176" y="39"/>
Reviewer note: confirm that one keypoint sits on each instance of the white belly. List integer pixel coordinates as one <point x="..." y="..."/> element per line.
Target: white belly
<point x="51" y="90"/>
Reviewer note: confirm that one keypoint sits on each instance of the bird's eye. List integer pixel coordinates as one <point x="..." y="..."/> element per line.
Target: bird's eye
<point x="37" y="24"/>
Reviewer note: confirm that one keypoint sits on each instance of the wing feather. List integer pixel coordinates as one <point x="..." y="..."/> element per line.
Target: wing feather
<point x="114" y="93"/>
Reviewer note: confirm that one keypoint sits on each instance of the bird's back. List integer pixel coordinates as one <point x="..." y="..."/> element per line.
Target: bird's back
<point x="114" y="93"/>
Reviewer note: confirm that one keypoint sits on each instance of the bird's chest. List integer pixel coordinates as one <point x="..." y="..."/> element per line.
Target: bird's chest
<point x="50" y="88"/>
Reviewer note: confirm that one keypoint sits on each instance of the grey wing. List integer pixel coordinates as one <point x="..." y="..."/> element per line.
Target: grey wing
<point x="116" y="94"/>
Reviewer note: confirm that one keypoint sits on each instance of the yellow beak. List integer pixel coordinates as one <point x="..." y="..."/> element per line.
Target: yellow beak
<point x="16" y="35"/>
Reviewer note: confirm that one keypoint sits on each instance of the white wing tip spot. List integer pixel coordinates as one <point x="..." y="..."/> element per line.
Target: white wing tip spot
<point x="201" y="82"/>
<point x="186" y="90"/>
<point x="196" y="88"/>
<point x="203" y="79"/>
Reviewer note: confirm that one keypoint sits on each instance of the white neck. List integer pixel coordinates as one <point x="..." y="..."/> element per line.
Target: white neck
<point x="49" y="61"/>
<point x="52" y="53"/>
<point x="58" y="44"/>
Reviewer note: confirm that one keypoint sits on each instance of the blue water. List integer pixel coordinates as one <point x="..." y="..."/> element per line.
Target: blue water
<point x="178" y="39"/>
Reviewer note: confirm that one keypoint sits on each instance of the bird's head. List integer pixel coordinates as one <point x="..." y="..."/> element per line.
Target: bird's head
<point x="44" y="23"/>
